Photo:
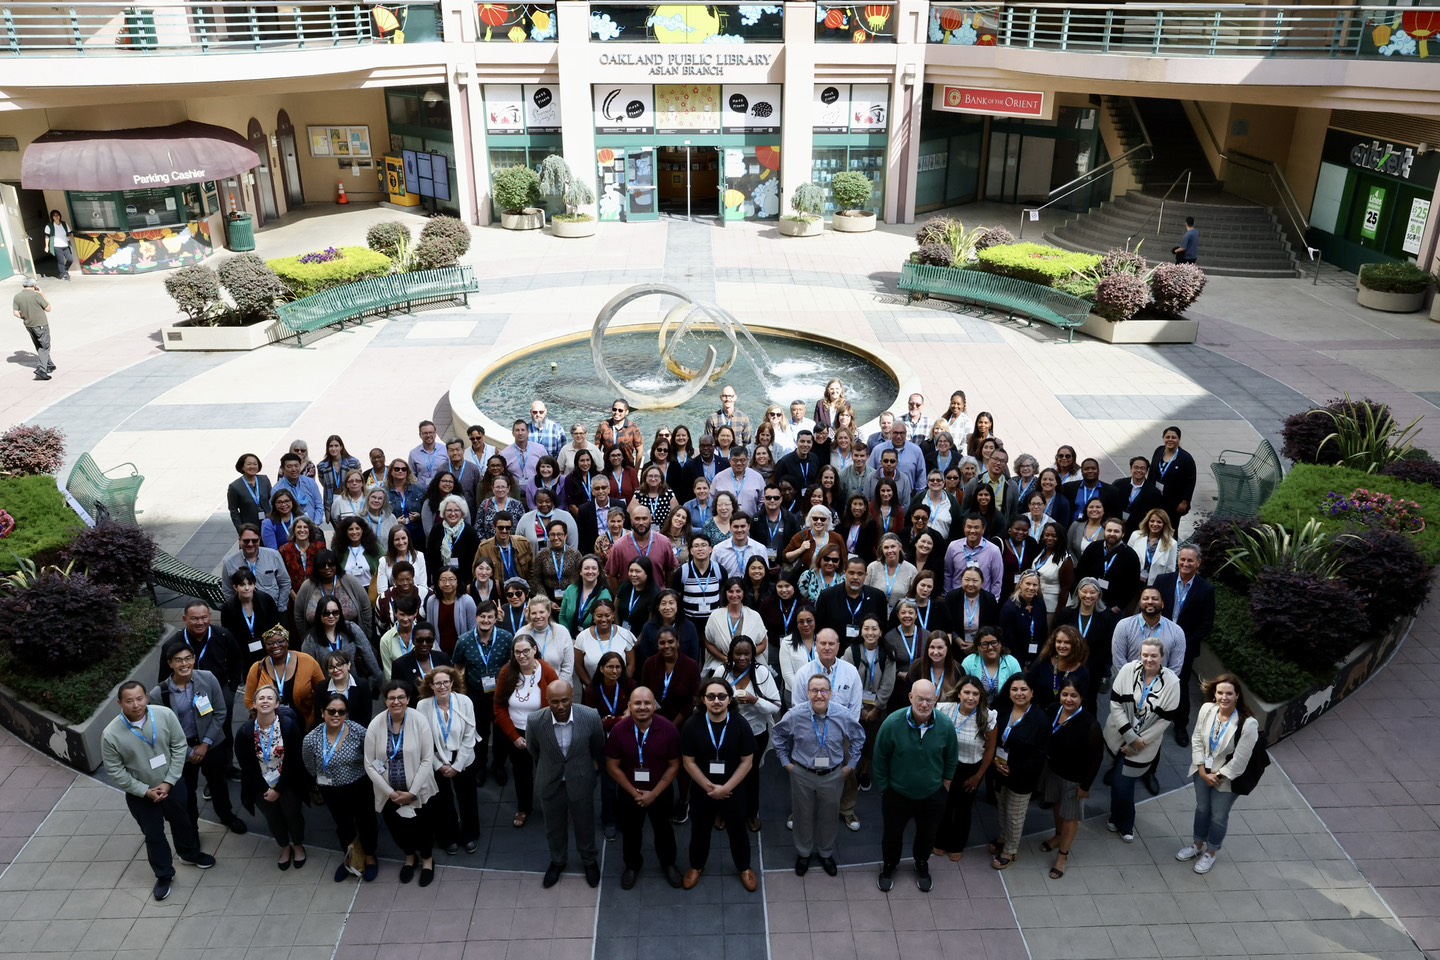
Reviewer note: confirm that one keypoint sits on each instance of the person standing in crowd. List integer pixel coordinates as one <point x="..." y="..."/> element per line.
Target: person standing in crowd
<point x="813" y="743"/>
<point x="200" y="703"/>
<point x="1115" y="567"/>
<point x="1074" y="755"/>
<point x="218" y="652"/>
<point x="1019" y="759"/>
<point x="334" y="756"/>
<point x="266" y="565"/>
<point x="452" y="723"/>
<point x="1190" y="598"/>
<point x="974" y="724"/>
<point x="642" y="756"/>
<point x="482" y="653"/>
<point x="1143" y="698"/>
<point x="248" y="496"/>
<point x="268" y="748"/>
<point x="1173" y="474"/>
<point x="1149" y="624"/>
<point x="1225" y="738"/>
<point x="144" y="751"/>
<point x="973" y="550"/>
<point x="518" y="697"/>
<point x="915" y="755"/>
<point x="296" y="677"/>
<point x="567" y="745"/>
<point x="718" y="751"/>
<point x="729" y="416"/>
<point x="1132" y="499"/>
<point x="1096" y="626"/>
<point x="428" y="457"/>
<point x="33" y="310"/>
<point x="400" y="761"/>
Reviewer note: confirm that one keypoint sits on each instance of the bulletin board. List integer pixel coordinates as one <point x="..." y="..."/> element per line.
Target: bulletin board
<point x="344" y="142"/>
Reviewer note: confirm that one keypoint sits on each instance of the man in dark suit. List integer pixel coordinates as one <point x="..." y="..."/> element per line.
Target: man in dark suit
<point x="590" y="517"/>
<point x="1190" y="598"/>
<point x="1088" y="487"/>
<point x="1114" y="566"/>
<point x="1131" y="499"/>
<point x="705" y="463"/>
<point x="567" y="744"/>
<point x="842" y="607"/>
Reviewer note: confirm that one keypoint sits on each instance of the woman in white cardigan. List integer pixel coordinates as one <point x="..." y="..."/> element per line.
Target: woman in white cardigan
<point x="1220" y="749"/>
<point x="1143" y="699"/>
<point x="726" y="623"/>
<point x="452" y="723"/>
<point x="1156" y="546"/>
<point x="399" y="759"/>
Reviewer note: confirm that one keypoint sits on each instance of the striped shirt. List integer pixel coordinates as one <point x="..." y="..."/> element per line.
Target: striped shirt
<point x="967" y="732"/>
<point x="700" y="593"/>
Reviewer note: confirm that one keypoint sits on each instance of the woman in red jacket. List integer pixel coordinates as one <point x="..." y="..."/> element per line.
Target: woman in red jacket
<point x="519" y="695"/>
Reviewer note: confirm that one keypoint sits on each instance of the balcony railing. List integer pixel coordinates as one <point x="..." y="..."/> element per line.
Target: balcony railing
<point x="517" y="22"/>
<point x="727" y="23"/>
<point x="112" y="29"/>
<point x="855" y="23"/>
<point x="1195" y="30"/>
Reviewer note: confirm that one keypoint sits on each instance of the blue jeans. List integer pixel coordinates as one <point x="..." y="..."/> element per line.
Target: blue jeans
<point x="1122" y="799"/>
<point x="1212" y="813"/>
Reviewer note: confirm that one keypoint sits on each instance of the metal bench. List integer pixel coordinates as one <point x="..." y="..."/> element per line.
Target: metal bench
<point x="1030" y="300"/>
<point x="354" y="301"/>
<point x="1244" y="486"/>
<point x="178" y="576"/>
<point x="104" y="496"/>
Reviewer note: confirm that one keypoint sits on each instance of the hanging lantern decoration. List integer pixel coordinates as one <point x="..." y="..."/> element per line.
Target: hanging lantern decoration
<point x="951" y="20"/>
<point x="836" y="19"/>
<point x="1422" y="25"/>
<point x="493" y="15"/>
<point x="876" y="17"/>
<point x="861" y="36"/>
<point x="516" y="34"/>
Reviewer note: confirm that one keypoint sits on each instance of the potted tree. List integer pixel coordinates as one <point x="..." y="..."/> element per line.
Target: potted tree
<point x="808" y="202"/>
<point x="558" y="180"/>
<point x="852" y="193"/>
<point x="1392" y="287"/>
<point x="517" y="194"/>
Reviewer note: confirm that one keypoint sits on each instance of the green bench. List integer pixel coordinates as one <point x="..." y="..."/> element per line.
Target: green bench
<point x="396" y="291"/>
<point x="1244" y="486"/>
<point x="178" y="576"/>
<point x="1030" y="300"/>
<point x="104" y="496"/>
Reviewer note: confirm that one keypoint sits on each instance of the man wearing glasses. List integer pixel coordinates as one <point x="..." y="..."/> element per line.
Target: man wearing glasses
<point x="271" y="577"/>
<point x="909" y="460"/>
<point x="774" y="527"/>
<point x="480" y="450"/>
<point x="747" y="486"/>
<point x="510" y="557"/>
<point x="427" y="459"/>
<point x="917" y="424"/>
<point x="620" y="431"/>
<point x="887" y="467"/>
<point x="914" y="759"/>
<point x="200" y="704"/>
<point x="729" y="416"/>
<point x="545" y="431"/>
<point x="309" y="501"/>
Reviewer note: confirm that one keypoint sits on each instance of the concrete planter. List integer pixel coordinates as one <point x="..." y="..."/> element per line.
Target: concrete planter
<point x="843" y="223"/>
<point x="1141" y="330"/>
<point x="530" y="218"/>
<point x="1435" y="308"/>
<point x="801" y="228"/>
<point x="1280" y="720"/>
<point x="572" y="228"/>
<point x="185" y="336"/>
<point x="1390" y="302"/>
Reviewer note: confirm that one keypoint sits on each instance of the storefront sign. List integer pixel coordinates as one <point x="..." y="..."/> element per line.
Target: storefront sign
<point x="691" y="63"/>
<point x="687" y="108"/>
<point x="1355" y="151"/>
<point x="1374" y="206"/>
<point x="1415" y="226"/>
<point x="751" y="108"/>
<point x="504" y="108"/>
<point x="1396" y="161"/>
<point x="851" y="108"/>
<point x="995" y="103"/>
<point x="624" y="108"/>
<point x="542" y="108"/>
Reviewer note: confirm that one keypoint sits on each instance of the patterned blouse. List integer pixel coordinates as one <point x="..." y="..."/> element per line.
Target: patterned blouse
<point x="347" y="763"/>
<point x="489" y="509"/>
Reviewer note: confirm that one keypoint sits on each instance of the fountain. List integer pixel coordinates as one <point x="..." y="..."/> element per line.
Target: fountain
<point x="670" y="366"/>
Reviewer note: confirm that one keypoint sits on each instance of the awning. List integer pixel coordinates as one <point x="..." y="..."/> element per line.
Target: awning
<point x="187" y="152"/>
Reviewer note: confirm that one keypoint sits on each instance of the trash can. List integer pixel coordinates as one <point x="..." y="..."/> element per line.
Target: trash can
<point x="240" y="231"/>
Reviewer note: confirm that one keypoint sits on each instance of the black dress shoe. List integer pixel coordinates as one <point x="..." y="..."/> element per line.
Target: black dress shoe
<point x="885" y="882"/>
<point x="162" y="889"/>
<point x="592" y="873"/>
<point x="237" y="825"/>
<point x="1109" y="778"/>
<point x="829" y="866"/>
<point x="407" y="873"/>
<point x="427" y="876"/>
<point x="1181" y="737"/>
<point x="628" y="878"/>
<point x="802" y="865"/>
<point x="500" y="776"/>
<point x="1151" y="783"/>
<point x="552" y="875"/>
<point x="924" y="880"/>
<point x="672" y="876"/>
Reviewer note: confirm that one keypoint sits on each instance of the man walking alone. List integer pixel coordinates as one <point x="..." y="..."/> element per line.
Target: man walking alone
<point x="32" y="308"/>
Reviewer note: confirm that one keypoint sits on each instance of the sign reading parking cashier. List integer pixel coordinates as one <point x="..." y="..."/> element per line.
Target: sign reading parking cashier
<point x="994" y="103"/>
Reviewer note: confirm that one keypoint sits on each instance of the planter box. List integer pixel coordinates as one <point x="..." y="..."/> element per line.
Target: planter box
<point x="1390" y="302"/>
<point x="1280" y="720"/>
<point x="801" y="228"/>
<point x="840" y="223"/>
<point x="1139" y="330"/>
<point x="184" y="336"/>
<point x="524" y="220"/>
<point x="1435" y="308"/>
<point x="572" y="228"/>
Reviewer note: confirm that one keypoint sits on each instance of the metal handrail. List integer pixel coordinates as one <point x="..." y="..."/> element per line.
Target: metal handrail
<point x="1090" y="176"/>
<point x="1160" y="211"/>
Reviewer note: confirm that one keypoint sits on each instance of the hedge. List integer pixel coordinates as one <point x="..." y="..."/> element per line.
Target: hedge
<point x="1302" y="492"/>
<point x="308" y="279"/>
<point x="1263" y="670"/>
<point x="1036" y="262"/>
<point x="44" y="522"/>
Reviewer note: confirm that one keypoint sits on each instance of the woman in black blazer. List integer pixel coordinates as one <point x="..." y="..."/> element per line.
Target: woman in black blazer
<point x="273" y="775"/>
<point x="1074" y="755"/>
<point x="248" y="494"/>
<point x="1020" y="751"/>
<point x="1172" y="470"/>
<point x="248" y="616"/>
<point x="452" y="542"/>
<point x="1096" y="625"/>
<point x="970" y="606"/>
<point x="339" y="667"/>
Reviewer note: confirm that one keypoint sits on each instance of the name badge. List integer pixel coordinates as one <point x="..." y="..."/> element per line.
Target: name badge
<point x="256" y="647"/>
<point x="717" y="769"/>
<point x="822" y="763"/>
<point x="1034" y="648"/>
<point x="157" y="762"/>
<point x="453" y="564"/>
<point x="770" y="554"/>
<point x="642" y="776"/>
<point x="202" y="706"/>
<point x="324" y="781"/>
<point x="1104" y="584"/>
<point x="272" y="777"/>
<point x="868" y="699"/>
<point x="1159" y="487"/>
<point x="852" y="632"/>
<point x="558" y="593"/>
<point x="487" y="684"/>
<point x="1002" y="754"/>
<point x="1209" y="762"/>
<point x="1124" y="514"/>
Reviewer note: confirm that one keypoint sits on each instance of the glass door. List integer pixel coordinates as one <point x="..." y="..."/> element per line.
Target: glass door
<point x="641" y="202"/>
<point x="19" y="253"/>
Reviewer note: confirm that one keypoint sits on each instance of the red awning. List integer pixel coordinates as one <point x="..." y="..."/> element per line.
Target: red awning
<point x="135" y="159"/>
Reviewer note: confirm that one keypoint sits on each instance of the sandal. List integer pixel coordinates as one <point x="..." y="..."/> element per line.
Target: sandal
<point x="997" y="847"/>
<point x="1052" y="844"/>
<point x="520" y="819"/>
<point x="1001" y="861"/>
<point x="956" y="857"/>
<point x="1055" y="872"/>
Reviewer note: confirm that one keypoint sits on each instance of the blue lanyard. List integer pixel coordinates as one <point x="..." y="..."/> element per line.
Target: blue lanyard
<point x="1111" y="562"/>
<point x="480" y="649"/>
<point x="1163" y="465"/>
<point x="921" y="728"/>
<point x="267" y="741"/>
<point x="507" y="560"/>
<point x="889" y="584"/>
<point x="1084" y="624"/>
<point x="910" y="644"/>
<point x="395" y="743"/>
<point x="785" y="618"/>
<point x="665" y="689"/>
<point x="822" y="731"/>
<point x="559" y="560"/>
<point x="612" y="704"/>
<point x="724" y="729"/>
<point x="328" y="750"/>
<point x="1141" y="703"/>
<point x="254" y="489"/>
<point x="199" y="657"/>
<point x="154" y="736"/>
<point x="444" y="724"/>
<point x="872" y="664"/>
<point x="1005" y="737"/>
<point x="548" y="631"/>
<point x="1058" y="723"/>
<point x="992" y="684"/>
<point x="280" y="680"/>
<point x="1182" y="590"/>
<point x="1017" y="551"/>
<point x="1215" y="737"/>
<point x="972" y="614"/>
<point x="249" y="625"/>
<point x="640" y="746"/>
<point x="924" y="617"/>
<point x="649" y="542"/>
<point x="630" y="610"/>
<point x="855" y="610"/>
<point x="735" y="625"/>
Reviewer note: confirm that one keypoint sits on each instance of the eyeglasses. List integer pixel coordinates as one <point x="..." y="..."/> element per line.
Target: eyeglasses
<point x="990" y="643"/>
<point x="829" y="559"/>
<point x="535" y="412"/>
<point x="249" y="539"/>
<point x="618" y="409"/>
<point x="401" y="698"/>
<point x="914" y="405"/>
<point x="819" y="693"/>
<point x="775" y="416"/>
<point x="770" y="497"/>
<point x="514" y="593"/>
<point x="717" y="697"/>
<point x="181" y="661"/>
<point x="331" y="613"/>
<point x="333" y="712"/>
<point x="399" y="469"/>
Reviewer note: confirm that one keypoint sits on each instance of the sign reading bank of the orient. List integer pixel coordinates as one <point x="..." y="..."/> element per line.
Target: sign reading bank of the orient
<point x="995" y="103"/>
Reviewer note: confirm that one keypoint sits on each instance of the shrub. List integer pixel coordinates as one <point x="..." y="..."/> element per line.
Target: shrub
<point x="1216" y="538"/>
<point x="852" y="192"/>
<point x="515" y="188"/>
<point x="114" y="554"/>
<point x="1302" y="433"/>
<point x="934" y="255"/>
<point x="60" y="621"/>
<point x="27" y="450"/>
<point x="808" y="201"/>
<point x="994" y="237"/>
<point x="1128" y="262"/>
<point x="936" y="230"/>
<point x="305" y="278"/>
<point x="44" y="522"/>
<point x="1422" y="469"/>
<point x="1175" y="286"/>
<point x="1271" y="547"/>
<point x="386" y="237"/>
<point x="1366" y="439"/>
<point x="1388" y="574"/>
<point x="451" y="228"/>
<point x="1120" y="296"/>
<point x="1306" y="619"/>
<point x="1394" y="278"/>
<point x="434" y="253"/>
<point x="1298" y="495"/>
<point x="1236" y="645"/>
<point x="195" y="290"/>
<point x="252" y="285"/>
<point x="1035" y="262"/>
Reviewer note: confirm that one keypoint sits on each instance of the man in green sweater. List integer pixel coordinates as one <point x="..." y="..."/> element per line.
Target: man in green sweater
<point x="914" y="759"/>
<point x="144" y="751"/>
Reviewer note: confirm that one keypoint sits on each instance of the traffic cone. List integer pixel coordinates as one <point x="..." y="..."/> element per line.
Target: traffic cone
<point x="342" y="199"/>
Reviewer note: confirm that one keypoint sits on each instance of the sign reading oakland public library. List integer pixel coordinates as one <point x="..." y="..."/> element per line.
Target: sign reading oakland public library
<point x="994" y="103"/>
<point x="699" y="63"/>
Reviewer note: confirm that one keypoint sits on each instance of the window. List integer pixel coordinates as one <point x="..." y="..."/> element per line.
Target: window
<point x="129" y="210"/>
<point x="95" y="212"/>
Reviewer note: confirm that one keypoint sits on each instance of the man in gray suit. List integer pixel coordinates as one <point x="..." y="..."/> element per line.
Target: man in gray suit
<point x="567" y="744"/>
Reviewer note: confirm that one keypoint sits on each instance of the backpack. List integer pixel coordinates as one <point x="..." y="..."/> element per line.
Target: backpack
<point x="1259" y="760"/>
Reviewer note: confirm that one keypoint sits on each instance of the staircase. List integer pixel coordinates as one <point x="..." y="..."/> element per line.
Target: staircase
<point x="1177" y="148"/>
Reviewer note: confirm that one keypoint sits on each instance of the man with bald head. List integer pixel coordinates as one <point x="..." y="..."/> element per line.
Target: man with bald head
<point x="914" y="761"/>
<point x="567" y="745"/>
<point x="642" y="756"/>
<point x="641" y="541"/>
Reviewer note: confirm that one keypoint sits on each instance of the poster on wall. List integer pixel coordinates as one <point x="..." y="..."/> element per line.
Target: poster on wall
<point x="869" y="107"/>
<point x="687" y="108"/>
<point x="751" y="107"/>
<point x="504" y="108"/>
<point x="1374" y="206"/>
<point x="624" y="108"/>
<point x="542" y="108"/>
<point x="1415" y="225"/>
<point x="831" y="110"/>
<point x="353" y="141"/>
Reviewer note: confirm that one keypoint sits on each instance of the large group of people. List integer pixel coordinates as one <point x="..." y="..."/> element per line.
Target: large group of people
<point x="912" y="611"/>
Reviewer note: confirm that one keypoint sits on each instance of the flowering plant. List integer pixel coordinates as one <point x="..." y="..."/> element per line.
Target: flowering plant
<point x="7" y="524"/>
<point x="324" y="256"/>
<point x="1373" y="509"/>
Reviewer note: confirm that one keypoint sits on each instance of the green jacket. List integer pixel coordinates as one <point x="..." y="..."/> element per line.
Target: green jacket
<point x="128" y="756"/>
<point x="913" y="766"/>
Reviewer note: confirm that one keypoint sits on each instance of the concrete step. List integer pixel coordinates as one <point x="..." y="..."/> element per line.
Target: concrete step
<point x="1215" y="267"/>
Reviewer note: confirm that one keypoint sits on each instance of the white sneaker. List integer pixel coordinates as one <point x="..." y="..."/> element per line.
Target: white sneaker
<point x="1206" y="861"/>
<point x="1188" y="854"/>
<point x="1110" y="825"/>
<point x="1128" y="837"/>
<point x="852" y="822"/>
